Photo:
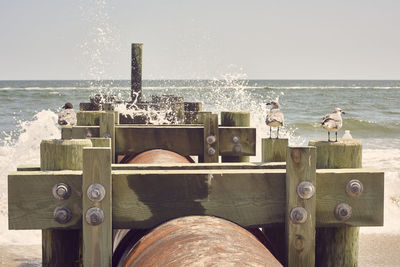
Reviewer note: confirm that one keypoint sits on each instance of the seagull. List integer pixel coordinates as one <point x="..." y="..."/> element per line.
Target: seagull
<point x="67" y="116"/>
<point x="333" y="122"/>
<point x="274" y="117"/>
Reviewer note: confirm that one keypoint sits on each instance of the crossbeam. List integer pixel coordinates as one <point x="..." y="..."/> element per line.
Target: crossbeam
<point x="145" y="198"/>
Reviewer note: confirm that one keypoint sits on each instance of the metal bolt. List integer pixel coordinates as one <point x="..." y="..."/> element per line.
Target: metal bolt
<point x="211" y="151"/>
<point x="62" y="215"/>
<point x="305" y="190"/>
<point x="354" y="188"/>
<point x="61" y="191"/>
<point x="236" y="139"/>
<point x="210" y="139"/>
<point x="237" y="149"/>
<point x="96" y="192"/>
<point x="107" y="135"/>
<point x="298" y="215"/>
<point x="94" y="216"/>
<point x="343" y="212"/>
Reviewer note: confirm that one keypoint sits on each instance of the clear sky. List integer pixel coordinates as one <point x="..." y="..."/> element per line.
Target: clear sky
<point x="187" y="39"/>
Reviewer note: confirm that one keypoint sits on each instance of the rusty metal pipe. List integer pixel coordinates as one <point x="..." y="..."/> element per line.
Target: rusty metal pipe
<point x="198" y="241"/>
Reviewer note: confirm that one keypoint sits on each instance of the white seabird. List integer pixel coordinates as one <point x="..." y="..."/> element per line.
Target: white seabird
<point x="274" y="117"/>
<point x="67" y="116"/>
<point x="333" y="122"/>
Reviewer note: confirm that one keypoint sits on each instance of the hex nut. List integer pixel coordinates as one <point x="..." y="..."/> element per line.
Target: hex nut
<point x="298" y="215"/>
<point x="94" y="216"/>
<point x="236" y="139"/>
<point x="96" y="192"/>
<point x="211" y="151"/>
<point x="343" y="212"/>
<point x="62" y="215"/>
<point x="354" y="188"/>
<point x="61" y="191"/>
<point x="305" y="190"/>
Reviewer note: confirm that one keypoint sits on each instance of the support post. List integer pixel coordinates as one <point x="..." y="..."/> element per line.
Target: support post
<point x="337" y="246"/>
<point x="300" y="206"/>
<point x="191" y="111"/>
<point x="136" y="73"/>
<point x="107" y="129"/>
<point x="235" y="118"/>
<point x="274" y="150"/>
<point x="96" y="206"/>
<point x="211" y="138"/>
<point x="62" y="247"/>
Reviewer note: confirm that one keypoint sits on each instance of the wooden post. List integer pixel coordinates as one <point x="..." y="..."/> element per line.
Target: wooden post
<point x="107" y="129"/>
<point x="235" y="118"/>
<point x="66" y="132"/>
<point x="62" y="247"/>
<point x="211" y="138"/>
<point x="300" y="206"/>
<point x="274" y="150"/>
<point x="136" y="72"/>
<point x="96" y="206"/>
<point x="191" y="111"/>
<point x="337" y="246"/>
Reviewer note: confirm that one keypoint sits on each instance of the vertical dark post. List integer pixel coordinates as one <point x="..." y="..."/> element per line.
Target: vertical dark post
<point x="337" y="246"/>
<point x="235" y="118"/>
<point x="136" y="72"/>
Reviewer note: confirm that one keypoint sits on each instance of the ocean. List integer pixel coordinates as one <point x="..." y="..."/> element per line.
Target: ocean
<point x="28" y="114"/>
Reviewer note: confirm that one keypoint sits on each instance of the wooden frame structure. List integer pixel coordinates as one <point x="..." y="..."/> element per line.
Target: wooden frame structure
<point x="144" y="196"/>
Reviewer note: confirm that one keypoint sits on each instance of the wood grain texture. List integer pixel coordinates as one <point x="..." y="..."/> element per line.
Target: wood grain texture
<point x="300" y="237"/>
<point x="82" y="132"/>
<point x="338" y="246"/>
<point x="235" y="118"/>
<point x="88" y="118"/>
<point x="101" y="142"/>
<point x="274" y="149"/>
<point x="247" y="142"/>
<point x="66" y="132"/>
<point x="211" y="130"/>
<point x="107" y="130"/>
<point x="97" y="239"/>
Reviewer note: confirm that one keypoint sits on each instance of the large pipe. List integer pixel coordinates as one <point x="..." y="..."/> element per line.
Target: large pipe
<point x="187" y="241"/>
<point x="198" y="241"/>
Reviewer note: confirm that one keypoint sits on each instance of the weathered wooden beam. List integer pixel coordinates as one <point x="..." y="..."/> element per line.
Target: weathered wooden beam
<point x="101" y="142"/>
<point x="96" y="206"/>
<point x="136" y="72"/>
<point x="211" y="138"/>
<point x="260" y="190"/>
<point x="338" y="246"/>
<point x="88" y="118"/>
<point x="202" y="166"/>
<point x="107" y="130"/>
<point x="28" y="167"/>
<point x="300" y="206"/>
<point x="66" y="132"/>
<point x="234" y="142"/>
<point x="274" y="149"/>
<point x="82" y="132"/>
<point x="229" y="147"/>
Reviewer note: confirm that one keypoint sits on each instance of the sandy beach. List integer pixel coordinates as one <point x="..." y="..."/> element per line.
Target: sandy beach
<point x="376" y="250"/>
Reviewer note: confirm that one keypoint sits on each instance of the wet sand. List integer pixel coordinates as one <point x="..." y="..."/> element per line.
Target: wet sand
<point x="376" y="250"/>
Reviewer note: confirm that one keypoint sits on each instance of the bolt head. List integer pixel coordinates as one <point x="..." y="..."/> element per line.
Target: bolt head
<point x="236" y="139"/>
<point x="354" y="188"/>
<point x="237" y="149"/>
<point x="298" y="215"/>
<point x="96" y="192"/>
<point x="305" y="190"/>
<point x="62" y="215"/>
<point x="211" y="151"/>
<point x="343" y="212"/>
<point x="94" y="216"/>
<point x="61" y="191"/>
<point x="211" y="139"/>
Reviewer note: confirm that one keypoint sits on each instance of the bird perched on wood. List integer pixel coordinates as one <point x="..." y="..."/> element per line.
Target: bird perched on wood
<point x="274" y="117"/>
<point x="67" y="116"/>
<point x="333" y="122"/>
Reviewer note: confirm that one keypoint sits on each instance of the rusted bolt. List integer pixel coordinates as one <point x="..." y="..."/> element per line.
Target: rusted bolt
<point x="296" y="155"/>
<point x="354" y="188"/>
<point x="62" y="215"/>
<point x="61" y="191"/>
<point x="236" y="139"/>
<point x="237" y="149"/>
<point x="298" y="215"/>
<point x="96" y="192"/>
<point x="210" y="139"/>
<point x="94" y="216"/>
<point x="211" y="151"/>
<point x="343" y="212"/>
<point x="305" y="190"/>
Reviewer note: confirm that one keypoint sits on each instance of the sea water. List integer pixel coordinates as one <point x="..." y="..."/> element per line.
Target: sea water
<point x="28" y="114"/>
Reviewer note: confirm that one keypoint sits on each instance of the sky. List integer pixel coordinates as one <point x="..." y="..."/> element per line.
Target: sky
<point x="207" y="39"/>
